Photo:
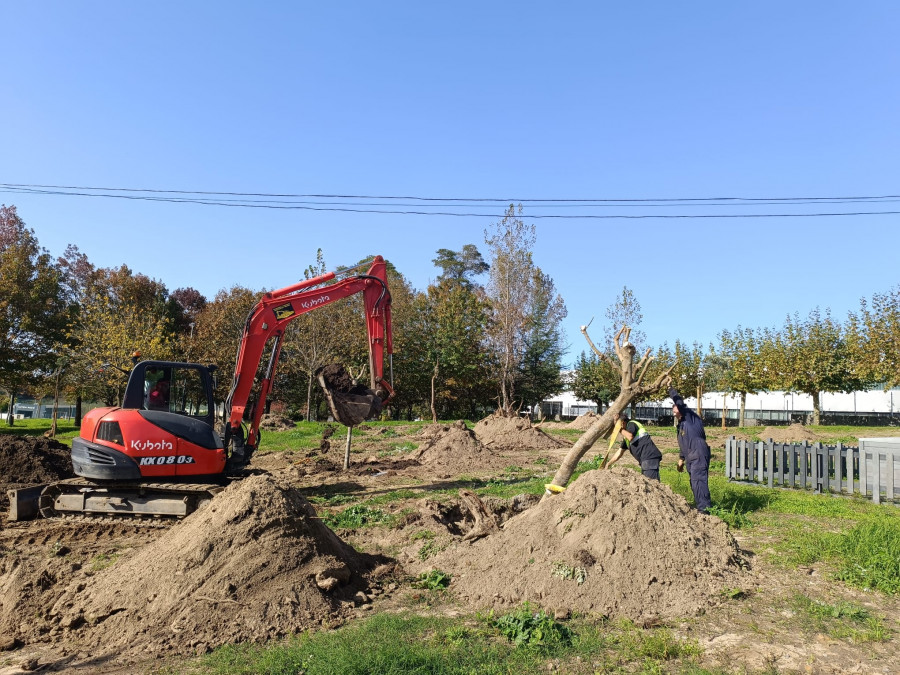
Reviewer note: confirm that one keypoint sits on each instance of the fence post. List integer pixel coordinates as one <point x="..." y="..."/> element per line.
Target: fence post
<point x="729" y="462"/>
<point x="816" y="456"/>
<point x="760" y="462"/>
<point x="876" y="477"/>
<point x="792" y="461"/>
<point x="804" y="464"/>
<point x="889" y="458"/>
<point x="770" y="456"/>
<point x="863" y="471"/>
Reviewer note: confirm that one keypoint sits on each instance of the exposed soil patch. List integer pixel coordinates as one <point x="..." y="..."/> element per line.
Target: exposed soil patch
<point x="31" y="460"/>
<point x="613" y="544"/>
<point x="514" y="433"/>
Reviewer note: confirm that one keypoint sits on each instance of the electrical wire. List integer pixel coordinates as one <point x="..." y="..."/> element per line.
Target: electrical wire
<point x="283" y="201"/>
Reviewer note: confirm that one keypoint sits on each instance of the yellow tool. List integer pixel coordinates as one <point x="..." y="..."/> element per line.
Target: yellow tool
<point x="612" y="440"/>
<point x="552" y="489"/>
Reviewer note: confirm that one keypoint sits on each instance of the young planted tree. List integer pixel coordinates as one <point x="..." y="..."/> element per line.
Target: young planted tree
<point x="631" y="378"/>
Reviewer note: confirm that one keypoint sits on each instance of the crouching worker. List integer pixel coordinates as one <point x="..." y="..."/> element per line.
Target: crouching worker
<point x="643" y="449"/>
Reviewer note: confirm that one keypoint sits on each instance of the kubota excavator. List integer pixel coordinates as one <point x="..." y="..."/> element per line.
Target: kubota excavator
<point x="159" y="453"/>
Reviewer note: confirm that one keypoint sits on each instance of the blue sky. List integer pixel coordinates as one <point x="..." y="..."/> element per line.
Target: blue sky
<point x="502" y="100"/>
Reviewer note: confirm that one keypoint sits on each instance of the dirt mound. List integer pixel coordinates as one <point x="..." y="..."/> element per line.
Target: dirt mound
<point x="584" y="422"/>
<point x="276" y="423"/>
<point x="613" y="544"/>
<point x="791" y="434"/>
<point x="453" y="448"/>
<point x="514" y="433"/>
<point x="30" y="460"/>
<point x="254" y="565"/>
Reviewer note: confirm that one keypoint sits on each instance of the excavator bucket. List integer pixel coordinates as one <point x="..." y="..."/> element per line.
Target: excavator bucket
<point x="350" y="403"/>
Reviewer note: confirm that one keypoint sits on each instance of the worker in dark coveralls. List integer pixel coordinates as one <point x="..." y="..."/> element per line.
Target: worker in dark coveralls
<point x="643" y="449"/>
<point x="692" y="450"/>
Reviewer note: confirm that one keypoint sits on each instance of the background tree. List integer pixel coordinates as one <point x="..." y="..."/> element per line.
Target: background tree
<point x="33" y="307"/>
<point x="739" y="352"/>
<point x="873" y="339"/>
<point x="540" y="373"/>
<point x="509" y="290"/>
<point x="595" y="380"/>
<point x="817" y="358"/>
<point x="624" y="311"/>
<point x="460" y="266"/>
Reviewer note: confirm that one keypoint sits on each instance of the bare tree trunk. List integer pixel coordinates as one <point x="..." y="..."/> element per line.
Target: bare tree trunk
<point x="78" y="402"/>
<point x="10" y="418"/>
<point x="631" y="389"/>
<point x="52" y="433"/>
<point x="743" y="409"/>
<point x="817" y="408"/>
<point x="309" y="389"/>
<point x="433" y="408"/>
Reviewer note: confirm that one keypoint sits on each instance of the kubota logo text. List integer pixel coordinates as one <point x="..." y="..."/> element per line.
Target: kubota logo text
<point x="322" y="299"/>
<point x="147" y="446"/>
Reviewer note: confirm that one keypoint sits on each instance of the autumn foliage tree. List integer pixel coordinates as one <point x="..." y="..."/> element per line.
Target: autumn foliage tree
<point x="33" y="307"/>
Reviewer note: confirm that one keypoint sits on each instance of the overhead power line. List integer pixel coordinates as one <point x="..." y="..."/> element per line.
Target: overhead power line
<point x="390" y="205"/>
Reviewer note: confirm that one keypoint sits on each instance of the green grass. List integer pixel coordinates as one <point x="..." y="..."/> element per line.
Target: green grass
<point x="841" y="620"/>
<point x="66" y="429"/>
<point x="525" y="641"/>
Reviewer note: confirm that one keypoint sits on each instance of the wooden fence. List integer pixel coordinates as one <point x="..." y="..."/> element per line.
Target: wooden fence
<point x="872" y="469"/>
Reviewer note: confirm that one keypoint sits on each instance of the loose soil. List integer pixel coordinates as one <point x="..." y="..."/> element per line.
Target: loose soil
<point x="791" y="434"/>
<point x="30" y="460"/>
<point x="614" y="544"/>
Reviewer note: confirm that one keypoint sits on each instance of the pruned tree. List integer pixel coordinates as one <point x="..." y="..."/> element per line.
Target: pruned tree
<point x="631" y="386"/>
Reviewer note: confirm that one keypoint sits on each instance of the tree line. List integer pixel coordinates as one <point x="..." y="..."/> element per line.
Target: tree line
<point x="808" y="354"/>
<point x="462" y="348"/>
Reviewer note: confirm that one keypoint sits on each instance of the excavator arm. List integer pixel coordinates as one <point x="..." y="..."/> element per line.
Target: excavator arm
<point x="268" y="319"/>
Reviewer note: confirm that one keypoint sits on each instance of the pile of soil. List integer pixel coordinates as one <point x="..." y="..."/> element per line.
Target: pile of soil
<point x="452" y="449"/>
<point x="791" y="434"/>
<point x="31" y="460"/>
<point x="584" y="422"/>
<point x="277" y="423"/>
<point x="514" y="433"/>
<point x="254" y="565"/>
<point x="613" y="544"/>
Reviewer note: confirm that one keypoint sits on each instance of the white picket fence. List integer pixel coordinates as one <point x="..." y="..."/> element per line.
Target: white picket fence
<point x="872" y="469"/>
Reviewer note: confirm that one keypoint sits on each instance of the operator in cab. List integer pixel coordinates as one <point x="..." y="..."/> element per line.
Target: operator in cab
<point x="643" y="449"/>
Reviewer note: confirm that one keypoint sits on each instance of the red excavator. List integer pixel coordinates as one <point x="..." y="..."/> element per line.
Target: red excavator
<point x="159" y="454"/>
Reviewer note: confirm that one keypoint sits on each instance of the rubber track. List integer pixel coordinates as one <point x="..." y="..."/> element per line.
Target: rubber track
<point x="148" y="519"/>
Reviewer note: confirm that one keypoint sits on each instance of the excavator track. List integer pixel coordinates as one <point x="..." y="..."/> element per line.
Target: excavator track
<point x="84" y="499"/>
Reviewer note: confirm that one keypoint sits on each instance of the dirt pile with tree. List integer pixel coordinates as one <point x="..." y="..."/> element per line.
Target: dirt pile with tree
<point x="31" y="460"/>
<point x="254" y="565"/>
<point x="514" y="433"/>
<point x="613" y="544"/>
